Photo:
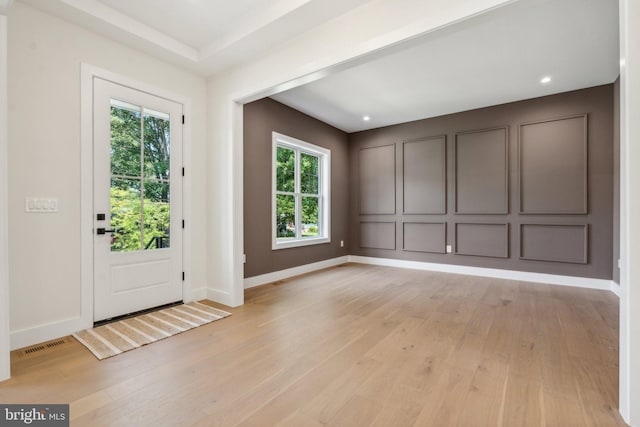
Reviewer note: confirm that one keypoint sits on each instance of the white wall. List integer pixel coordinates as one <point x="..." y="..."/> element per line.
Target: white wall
<point x="44" y="60"/>
<point x="4" y="276"/>
<point x="630" y="212"/>
<point x="335" y="45"/>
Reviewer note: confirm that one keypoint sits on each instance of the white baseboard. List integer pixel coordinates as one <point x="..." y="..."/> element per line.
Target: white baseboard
<point x="615" y="288"/>
<point x="263" y="279"/>
<point x="551" y="279"/>
<point x="219" y="296"/>
<point x="198" y="294"/>
<point x="49" y="331"/>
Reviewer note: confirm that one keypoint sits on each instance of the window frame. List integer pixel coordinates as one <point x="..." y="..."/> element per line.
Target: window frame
<point x="324" y="192"/>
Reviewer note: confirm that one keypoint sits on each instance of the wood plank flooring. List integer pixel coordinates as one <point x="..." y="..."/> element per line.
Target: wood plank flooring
<point x="357" y="345"/>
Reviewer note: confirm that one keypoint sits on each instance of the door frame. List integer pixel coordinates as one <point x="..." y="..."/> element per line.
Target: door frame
<point x="5" y="359"/>
<point x="88" y="73"/>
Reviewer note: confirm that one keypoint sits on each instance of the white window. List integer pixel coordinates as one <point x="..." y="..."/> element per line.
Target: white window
<point x="300" y="193"/>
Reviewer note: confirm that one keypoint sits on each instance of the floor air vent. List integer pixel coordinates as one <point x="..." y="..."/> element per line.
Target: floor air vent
<point x="43" y="347"/>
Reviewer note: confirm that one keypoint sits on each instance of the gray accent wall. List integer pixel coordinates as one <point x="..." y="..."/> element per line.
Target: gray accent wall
<point x="261" y="118"/>
<point x="524" y="186"/>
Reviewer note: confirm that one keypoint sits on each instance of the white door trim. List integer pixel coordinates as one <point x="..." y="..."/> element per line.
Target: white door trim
<point x="5" y="364"/>
<point x="629" y="392"/>
<point x="88" y="73"/>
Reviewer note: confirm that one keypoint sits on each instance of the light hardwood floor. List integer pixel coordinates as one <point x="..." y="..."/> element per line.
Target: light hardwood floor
<point x="357" y="345"/>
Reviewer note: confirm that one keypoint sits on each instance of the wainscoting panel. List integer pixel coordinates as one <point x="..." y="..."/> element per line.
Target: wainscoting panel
<point x="425" y="237"/>
<point x="487" y="240"/>
<point x="553" y="166"/>
<point x="378" y="235"/>
<point x="555" y="242"/>
<point x="481" y="172"/>
<point x="425" y="176"/>
<point x="377" y="180"/>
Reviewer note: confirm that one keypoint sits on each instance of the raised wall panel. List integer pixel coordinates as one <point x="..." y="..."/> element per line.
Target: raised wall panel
<point x="482" y="172"/>
<point x="377" y="180"/>
<point x="554" y="242"/>
<point x="553" y="166"/>
<point x="425" y="176"/>
<point x="378" y="235"/>
<point x="424" y="237"/>
<point x="487" y="240"/>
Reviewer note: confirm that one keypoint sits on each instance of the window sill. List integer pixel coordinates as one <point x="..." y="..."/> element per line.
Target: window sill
<point x="300" y="242"/>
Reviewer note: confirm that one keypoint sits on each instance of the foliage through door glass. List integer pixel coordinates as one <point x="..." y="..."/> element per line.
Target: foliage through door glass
<point x="140" y="172"/>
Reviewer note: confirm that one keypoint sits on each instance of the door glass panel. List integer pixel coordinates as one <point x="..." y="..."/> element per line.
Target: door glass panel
<point x="125" y="139"/>
<point x="125" y="215"/>
<point x="156" y="215"/>
<point x="157" y="150"/>
<point x="140" y="172"/>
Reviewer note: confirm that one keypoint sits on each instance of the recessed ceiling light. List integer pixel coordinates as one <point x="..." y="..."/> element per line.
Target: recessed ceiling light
<point x="545" y="79"/>
<point x="366" y="118"/>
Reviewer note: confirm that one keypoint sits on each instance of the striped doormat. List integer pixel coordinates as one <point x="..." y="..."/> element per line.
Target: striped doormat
<point x="114" y="338"/>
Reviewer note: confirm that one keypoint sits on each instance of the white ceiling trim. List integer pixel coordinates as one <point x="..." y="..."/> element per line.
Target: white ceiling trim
<point x="256" y="21"/>
<point x="134" y="27"/>
<point x="258" y="31"/>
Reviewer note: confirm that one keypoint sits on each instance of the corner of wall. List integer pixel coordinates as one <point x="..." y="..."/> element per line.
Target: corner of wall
<point x="5" y="366"/>
<point x="616" y="181"/>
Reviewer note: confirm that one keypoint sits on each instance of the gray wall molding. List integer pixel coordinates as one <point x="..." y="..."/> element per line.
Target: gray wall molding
<point x="425" y="237"/>
<point x="558" y="243"/>
<point x="480" y="242"/>
<point x="554" y="182"/>
<point x="597" y="102"/>
<point x="415" y="191"/>
<point x="378" y="235"/>
<point x="481" y="162"/>
<point x="377" y="180"/>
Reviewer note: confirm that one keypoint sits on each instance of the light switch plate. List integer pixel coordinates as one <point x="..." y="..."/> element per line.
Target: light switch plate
<point x="39" y="204"/>
<point x="449" y="249"/>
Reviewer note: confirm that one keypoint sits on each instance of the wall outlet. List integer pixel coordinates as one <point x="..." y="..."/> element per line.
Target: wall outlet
<point x="449" y="249"/>
<point x="37" y="204"/>
<point x="342" y="243"/>
<point x="244" y="258"/>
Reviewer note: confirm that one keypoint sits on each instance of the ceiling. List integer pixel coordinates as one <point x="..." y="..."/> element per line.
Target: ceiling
<point x="494" y="58"/>
<point x="205" y="36"/>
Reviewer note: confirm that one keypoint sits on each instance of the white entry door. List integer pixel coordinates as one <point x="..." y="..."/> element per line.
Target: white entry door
<point x="137" y="188"/>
